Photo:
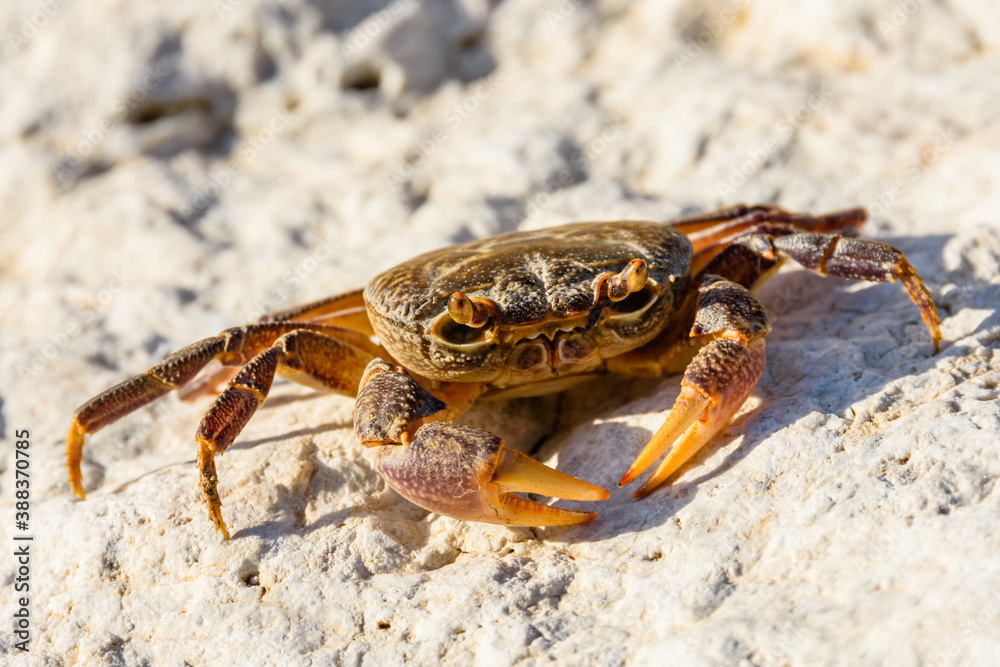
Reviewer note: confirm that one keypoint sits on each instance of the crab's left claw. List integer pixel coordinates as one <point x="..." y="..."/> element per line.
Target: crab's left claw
<point x="717" y="382"/>
<point x="457" y="471"/>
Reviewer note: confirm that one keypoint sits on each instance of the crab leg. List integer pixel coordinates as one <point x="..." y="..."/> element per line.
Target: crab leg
<point x="182" y="370"/>
<point x="174" y="372"/>
<point x="723" y="372"/>
<point x="461" y="472"/>
<point x="712" y="232"/>
<point x="303" y="356"/>
<point x="754" y="258"/>
<point x="717" y="382"/>
<point x="344" y="310"/>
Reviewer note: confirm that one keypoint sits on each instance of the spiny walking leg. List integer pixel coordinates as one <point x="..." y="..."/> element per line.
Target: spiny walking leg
<point x="752" y="259"/>
<point x="303" y="356"/>
<point x="345" y="310"/>
<point x="711" y="232"/>
<point x="232" y="347"/>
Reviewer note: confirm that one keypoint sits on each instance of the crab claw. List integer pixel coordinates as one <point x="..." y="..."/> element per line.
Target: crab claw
<point x="688" y="409"/>
<point x="716" y="383"/>
<point x="699" y="413"/>
<point x="465" y="473"/>
<point x="457" y="471"/>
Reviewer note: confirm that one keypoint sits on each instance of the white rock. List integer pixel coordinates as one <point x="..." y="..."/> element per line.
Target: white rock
<point x="167" y="172"/>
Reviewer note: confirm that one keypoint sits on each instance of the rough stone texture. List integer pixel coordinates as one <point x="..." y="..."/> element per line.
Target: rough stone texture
<point x="168" y="172"/>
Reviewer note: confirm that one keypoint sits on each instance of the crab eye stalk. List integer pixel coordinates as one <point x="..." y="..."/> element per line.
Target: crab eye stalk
<point x="464" y="323"/>
<point x="630" y="280"/>
<point x="470" y="312"/>
<point x="631" y="292"/>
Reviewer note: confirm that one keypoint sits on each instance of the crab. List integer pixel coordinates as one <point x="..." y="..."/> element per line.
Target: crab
<point x="526" y="313"/>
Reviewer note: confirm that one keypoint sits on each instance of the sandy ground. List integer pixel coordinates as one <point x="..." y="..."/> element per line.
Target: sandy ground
<point x="169" y="172"/>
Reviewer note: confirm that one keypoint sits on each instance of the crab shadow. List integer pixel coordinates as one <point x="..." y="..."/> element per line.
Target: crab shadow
<point x="283" y="526"/>
<point x="287" y="435"/>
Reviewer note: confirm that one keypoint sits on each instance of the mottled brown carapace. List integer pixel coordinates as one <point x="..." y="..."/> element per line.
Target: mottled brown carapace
<point x="525" y="313"/>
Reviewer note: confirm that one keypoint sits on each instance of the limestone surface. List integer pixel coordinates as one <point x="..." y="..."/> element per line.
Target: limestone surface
<point x="168" y="170"/>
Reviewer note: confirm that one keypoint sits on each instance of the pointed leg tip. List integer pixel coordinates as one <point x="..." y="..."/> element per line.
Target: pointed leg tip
<point x="74" y="446"/>
<point x="76" y="481"/>
<point x="220" y="526"/>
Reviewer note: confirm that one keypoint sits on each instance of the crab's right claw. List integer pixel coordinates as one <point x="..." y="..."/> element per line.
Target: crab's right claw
<point x="457" y="471"/>
<point x="465" y="473"/>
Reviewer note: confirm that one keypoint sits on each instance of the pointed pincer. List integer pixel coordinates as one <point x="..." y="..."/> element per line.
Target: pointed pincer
<point x="457" y="471"/>
<point x="466" y="473"/>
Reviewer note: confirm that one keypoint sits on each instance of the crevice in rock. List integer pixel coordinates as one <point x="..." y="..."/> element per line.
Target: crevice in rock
<point x="361" y="76"/>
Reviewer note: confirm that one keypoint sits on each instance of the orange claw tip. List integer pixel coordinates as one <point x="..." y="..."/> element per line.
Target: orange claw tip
<point x="516" y="472"/>
<point x="516" y="511"/>
<point x="465" y="473"/>
<point x="629" y="475"/>
<point x="688" y="407"/>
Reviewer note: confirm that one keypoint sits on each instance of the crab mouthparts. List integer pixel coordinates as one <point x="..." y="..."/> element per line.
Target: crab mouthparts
<point x="553" y="329"/>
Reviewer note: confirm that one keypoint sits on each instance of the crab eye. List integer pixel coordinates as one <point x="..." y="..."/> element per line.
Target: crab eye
<point x="452" y="333"/>
<point x="636" y="303"/>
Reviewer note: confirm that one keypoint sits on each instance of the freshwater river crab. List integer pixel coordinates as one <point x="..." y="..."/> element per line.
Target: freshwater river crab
<point x="526" y="313"/>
